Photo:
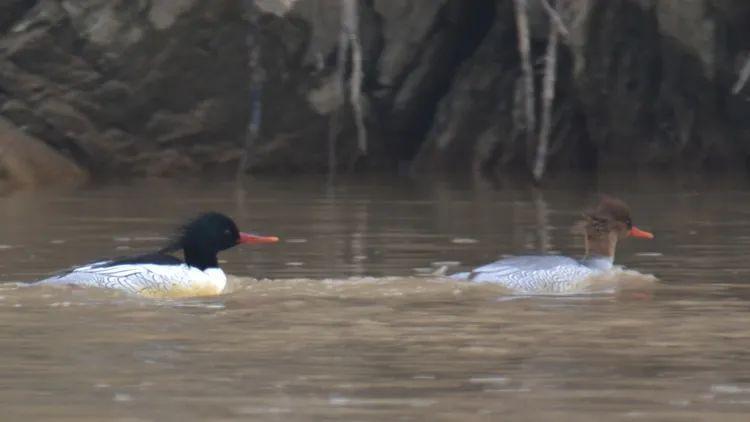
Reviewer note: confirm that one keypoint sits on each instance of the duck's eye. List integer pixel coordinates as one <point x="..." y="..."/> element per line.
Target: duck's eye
<point x="227" y="232"/>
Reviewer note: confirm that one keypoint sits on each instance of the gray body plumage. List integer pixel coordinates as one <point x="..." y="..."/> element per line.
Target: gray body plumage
<point x="539" y="274"/>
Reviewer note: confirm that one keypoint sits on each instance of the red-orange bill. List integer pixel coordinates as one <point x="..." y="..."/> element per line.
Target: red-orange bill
<point x="641" y="234"/>
<point x="254" y="239"/>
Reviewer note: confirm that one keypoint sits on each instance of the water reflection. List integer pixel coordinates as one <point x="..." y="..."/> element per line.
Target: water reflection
<point x="337" y="323"/>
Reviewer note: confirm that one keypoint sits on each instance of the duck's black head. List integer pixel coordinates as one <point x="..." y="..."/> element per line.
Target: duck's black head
<point x="204" y="237"/>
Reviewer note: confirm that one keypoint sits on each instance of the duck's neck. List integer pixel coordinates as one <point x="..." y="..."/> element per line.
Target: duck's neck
<point x="200" y="259"/>
<point x="601" y="245"/>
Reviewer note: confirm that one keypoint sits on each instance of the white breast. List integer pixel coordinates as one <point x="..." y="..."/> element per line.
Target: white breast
<point x="151" y="280"/>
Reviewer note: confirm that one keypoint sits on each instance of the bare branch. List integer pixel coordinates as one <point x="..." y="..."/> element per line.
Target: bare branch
<point x="348" y="40"/>
<point x="548" y="99"/>
<point x="355" y="81"/>
<point x="524" y="49"/>
<point x="334" y="122"/>
<point x="556" y="19"/>
<point x="742" y="79"/>
<point x="257" y="78"/>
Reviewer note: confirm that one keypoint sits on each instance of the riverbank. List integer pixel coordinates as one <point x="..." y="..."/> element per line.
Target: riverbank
<point x="165" y="88"/>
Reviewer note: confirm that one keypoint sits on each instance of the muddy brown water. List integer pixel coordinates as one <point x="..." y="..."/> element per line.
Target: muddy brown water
<point x="339" y="321"/>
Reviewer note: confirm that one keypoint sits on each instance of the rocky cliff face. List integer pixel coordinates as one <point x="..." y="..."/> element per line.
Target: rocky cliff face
<point x="162" y="86"/>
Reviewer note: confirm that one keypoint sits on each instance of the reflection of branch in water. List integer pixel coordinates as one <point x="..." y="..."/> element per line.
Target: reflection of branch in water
<point x="239" y="199"/>
<point x="358" y="241"/>
<point x="542" y="221"/>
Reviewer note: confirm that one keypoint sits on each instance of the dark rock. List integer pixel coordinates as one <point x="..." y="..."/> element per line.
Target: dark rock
<point x="28" y="161"/>
<point x="19" y="112"/>
<point x="474" y="122"/>
<point x="169" y="163"/>
<point x="166" y="127"/>
<point x="13" y="10"/>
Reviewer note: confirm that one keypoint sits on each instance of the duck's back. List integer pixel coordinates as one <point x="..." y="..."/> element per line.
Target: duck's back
<point x="533" y="274"/>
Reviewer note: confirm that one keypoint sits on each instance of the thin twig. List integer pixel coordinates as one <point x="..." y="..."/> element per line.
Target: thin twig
<point x="542" y="221"/>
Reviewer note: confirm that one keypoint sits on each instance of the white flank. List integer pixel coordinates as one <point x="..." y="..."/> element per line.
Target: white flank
<point x="153" y="280"/>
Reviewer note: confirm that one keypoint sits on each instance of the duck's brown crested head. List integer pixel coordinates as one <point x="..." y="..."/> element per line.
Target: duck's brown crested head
<point x="613" y="215"/>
